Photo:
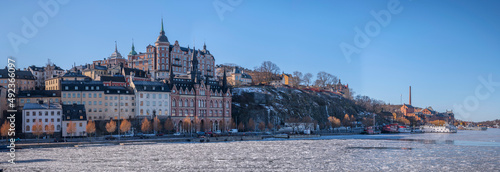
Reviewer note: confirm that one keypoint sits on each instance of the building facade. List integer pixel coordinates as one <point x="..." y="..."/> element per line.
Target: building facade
<point x="74" y="115"/>
<point x="41" y="114"/>
<point x="24" y="79"/>
<point x="119" y="102"/>
<point x="87" y="93"/>
<point x="152" y="99"/>
<point x="163" y="56"/>
<point x="35" y="96"/>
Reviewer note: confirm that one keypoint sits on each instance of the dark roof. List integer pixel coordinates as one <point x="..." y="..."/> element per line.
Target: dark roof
<point x="74" y="111"/>
<point x="4" y="73"/>
<point x="34" y="68"/>
<point x="100" y="67"/>
<point x="244" y="75"/>
<point x="409" y="106"/>
<point x="113" y="78"/>
<point x="137" y="72"/>
<point x="82" y="86"/>
<point x="41" y="106"/>
<point x="73" y="74"/>
<point x="151" y="86"/>
<point x="39" y="93"/>
<point x="118" y="90"/>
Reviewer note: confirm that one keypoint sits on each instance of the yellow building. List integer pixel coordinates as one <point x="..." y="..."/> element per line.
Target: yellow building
<point x="95" y="72"/>
<point x="55" y="83"/>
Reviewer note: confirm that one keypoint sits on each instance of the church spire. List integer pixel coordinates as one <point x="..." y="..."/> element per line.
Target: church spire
<point x="133" y="49"/>
<point x="224" y="81"/>
<point x="162" y="37"/>
<point x="162" y="25"/>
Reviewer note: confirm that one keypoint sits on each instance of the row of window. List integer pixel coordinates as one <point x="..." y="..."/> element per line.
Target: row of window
<point x="40" y="120"/>
<point x="77" y="95"/>
<point x="153" y="95"/>
<point x="29" y="100"/>
<point x="154" y="103"/>
<point x="28" y="127"/>
<point x="86" y="87"/>
<point x="43" y="112"/>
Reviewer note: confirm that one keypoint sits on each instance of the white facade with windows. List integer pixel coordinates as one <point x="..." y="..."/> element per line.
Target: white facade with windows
<point x="44" y="114"/>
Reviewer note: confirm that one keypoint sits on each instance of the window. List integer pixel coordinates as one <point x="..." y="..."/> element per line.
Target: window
<point x="80" y="124"/>
<point x="27" y="128"/>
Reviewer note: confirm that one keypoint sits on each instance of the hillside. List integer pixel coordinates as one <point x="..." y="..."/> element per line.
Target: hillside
<point x="276" y="105"/>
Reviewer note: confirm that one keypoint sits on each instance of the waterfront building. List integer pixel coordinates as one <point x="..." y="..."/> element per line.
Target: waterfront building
<point x="152" y="99"/>
<point x="35" y="96"/>
<point x="95" y="71"/>
<point x="43" y="114"/>
<point x="46" y="72"/>
<point x="55" y="83"/>
<point x="119" y="102"/>
<point x="163" y="56"/>
<point x="74" y="114"/>
<point x="200" y="98"/>
<point x="87" y="93"/>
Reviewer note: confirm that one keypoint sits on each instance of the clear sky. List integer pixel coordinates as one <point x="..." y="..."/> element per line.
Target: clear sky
<point x="440" y="48"/>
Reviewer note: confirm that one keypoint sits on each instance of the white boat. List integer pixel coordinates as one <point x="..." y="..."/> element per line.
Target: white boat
<point x="447" y="128"/>
<point x="417" y="131"/>
<point x="403" y="129"/>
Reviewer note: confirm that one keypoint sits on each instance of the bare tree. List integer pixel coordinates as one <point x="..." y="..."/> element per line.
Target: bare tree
<point x="251" y="125"/>
<point x="125" y="126"/>
<point x="267" y="71"/>
<point x="334" y="122"/>
<point x="71" y="129"/>
<point x="169" y="125"/>
<point x="296" y="78"/>
<point x="5" y="129"/>
<point x="111" y="126"/>
<point x="241" y="127"/>
<point x="262" y="126"/>
<point x="49" y="129"/>
<point x="156" y="124"/>
<point x="270" y="126"/>
<point x="90" y="128"/>
<point x="186" y="122"/>
<point x="324" y="79"/>
<point x="146" y="125"/>
<point x="37" y="129"/>
<point x="307" y="79"/>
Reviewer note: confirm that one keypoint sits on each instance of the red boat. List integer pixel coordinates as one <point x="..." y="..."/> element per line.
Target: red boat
<point x="391" y="128"/>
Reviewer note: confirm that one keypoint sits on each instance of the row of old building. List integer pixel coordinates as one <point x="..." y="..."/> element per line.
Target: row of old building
<point x="166" y="81"/>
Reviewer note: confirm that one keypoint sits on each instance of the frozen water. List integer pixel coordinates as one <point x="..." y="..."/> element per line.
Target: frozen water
<point x="407" y="152"/>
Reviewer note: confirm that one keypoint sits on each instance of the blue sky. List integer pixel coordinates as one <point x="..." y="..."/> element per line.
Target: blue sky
<point x="440" y="48"/>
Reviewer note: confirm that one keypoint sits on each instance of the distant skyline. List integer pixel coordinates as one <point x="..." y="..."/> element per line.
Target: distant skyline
<point x="446" y="50"/>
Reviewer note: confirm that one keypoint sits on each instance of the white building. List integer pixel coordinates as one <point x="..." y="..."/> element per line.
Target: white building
<point x="74" y="114"/>
<point x="45" y="114"/>
<point x="152" y="99"/>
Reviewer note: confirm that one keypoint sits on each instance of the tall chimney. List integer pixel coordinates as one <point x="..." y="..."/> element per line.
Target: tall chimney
<point x="410" y="95"/>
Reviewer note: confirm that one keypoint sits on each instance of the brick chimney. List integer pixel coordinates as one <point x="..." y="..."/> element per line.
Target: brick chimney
<point x="410" y="95"/>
